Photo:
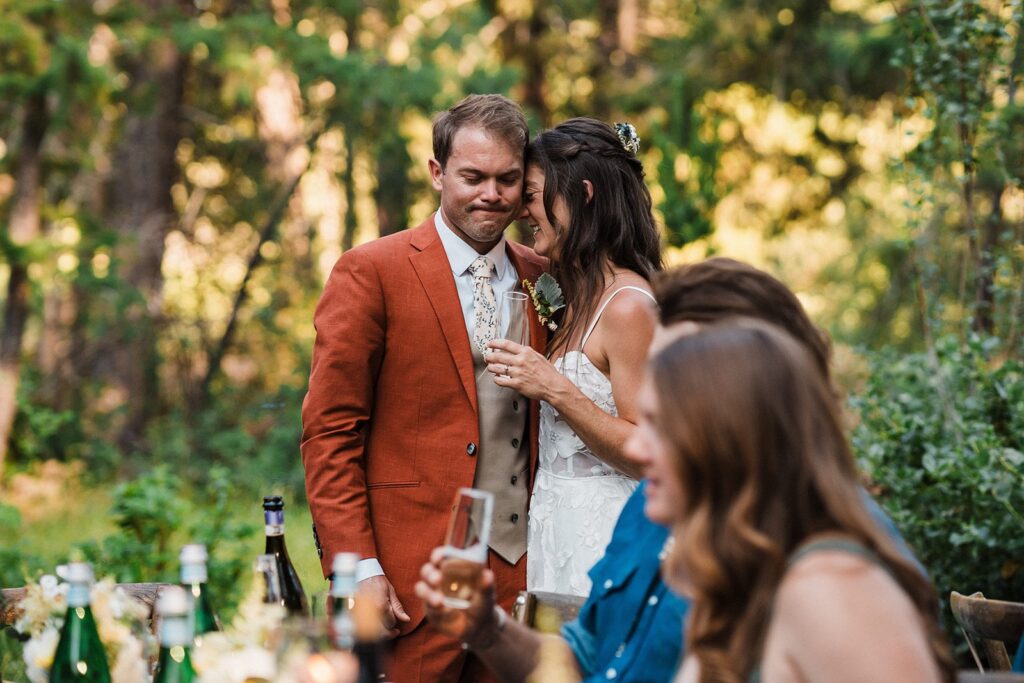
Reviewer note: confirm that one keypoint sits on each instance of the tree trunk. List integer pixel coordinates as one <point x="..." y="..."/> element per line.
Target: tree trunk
<point x="25" y="227"/>
<point x="393" y="187"/>
<point x="141" y="209"/>
<point x="984" y="298"/>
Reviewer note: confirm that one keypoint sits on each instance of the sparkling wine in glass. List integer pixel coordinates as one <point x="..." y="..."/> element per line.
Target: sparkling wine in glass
<point x="465" y="548"/>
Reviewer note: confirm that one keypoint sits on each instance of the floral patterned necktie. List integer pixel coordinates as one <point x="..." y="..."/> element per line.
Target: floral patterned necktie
<point x="485" y="308"/>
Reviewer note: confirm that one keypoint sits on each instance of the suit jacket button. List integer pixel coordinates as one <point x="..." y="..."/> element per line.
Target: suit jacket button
<point x="471" y="449"/>
<point x="515" y="443"/>
<point x="515" y="517"/>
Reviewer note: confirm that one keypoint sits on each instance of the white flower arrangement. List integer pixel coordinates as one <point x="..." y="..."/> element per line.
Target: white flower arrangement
<point x="120" y="621"/>
<point x="243" y="651"/>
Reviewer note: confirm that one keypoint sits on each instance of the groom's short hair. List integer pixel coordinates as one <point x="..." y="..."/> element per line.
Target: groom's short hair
<point x="719" y="288"/>
<point x="496" y="114"/>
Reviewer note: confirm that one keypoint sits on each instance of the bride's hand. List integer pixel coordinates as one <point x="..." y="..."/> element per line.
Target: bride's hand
<point x="522" y="369"/>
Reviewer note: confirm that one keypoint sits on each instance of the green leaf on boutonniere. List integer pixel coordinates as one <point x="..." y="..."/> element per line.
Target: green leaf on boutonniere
<point x="547" y="298"/>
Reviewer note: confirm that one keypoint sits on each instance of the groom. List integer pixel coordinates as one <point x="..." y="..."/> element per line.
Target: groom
<point x="400" y="411"/>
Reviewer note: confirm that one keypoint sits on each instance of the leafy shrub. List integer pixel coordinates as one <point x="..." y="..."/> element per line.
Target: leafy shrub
<point x="941" y="439"/>
<point x="156" y="514"/>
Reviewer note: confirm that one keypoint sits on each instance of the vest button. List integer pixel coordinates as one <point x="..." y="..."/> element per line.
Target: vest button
<point x="471" y="449"/>
<point x="515" y="405"/>
<point x="514" y="517"/>
<point x="514" y="479"/>
<point x="515" y="443"/>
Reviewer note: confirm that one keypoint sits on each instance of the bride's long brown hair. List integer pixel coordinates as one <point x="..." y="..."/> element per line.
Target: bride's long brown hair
<point x="615" y="225"/>
<point x="763" y="465"/>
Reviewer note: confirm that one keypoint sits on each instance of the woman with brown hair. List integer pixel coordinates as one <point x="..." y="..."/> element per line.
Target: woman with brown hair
<point x="586" y="200"/>
<point x="790" y="577"/>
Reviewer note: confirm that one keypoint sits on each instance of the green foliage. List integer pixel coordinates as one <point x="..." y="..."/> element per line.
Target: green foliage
<point x="942" y="439"/>
<point x="12" y="666"/>
<point x="157" y="513"/>
<point x="15" y="563"/>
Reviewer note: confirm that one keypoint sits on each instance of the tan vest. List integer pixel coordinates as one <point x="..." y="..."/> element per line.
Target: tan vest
<point x="503" y="461"/>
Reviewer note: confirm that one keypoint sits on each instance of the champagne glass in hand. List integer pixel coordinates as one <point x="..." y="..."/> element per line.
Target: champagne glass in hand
<point x="514" y="317"/>
<point x="465" y="548"/>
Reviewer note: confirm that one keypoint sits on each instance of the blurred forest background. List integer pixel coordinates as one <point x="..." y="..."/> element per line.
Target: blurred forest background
<point x="177" y="177"/>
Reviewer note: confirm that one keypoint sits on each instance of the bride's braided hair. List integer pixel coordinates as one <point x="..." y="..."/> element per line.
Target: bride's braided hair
<point x="615" y="225"/>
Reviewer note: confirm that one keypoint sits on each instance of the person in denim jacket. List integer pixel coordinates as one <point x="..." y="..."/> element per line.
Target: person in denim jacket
<point x="631" y="627"/>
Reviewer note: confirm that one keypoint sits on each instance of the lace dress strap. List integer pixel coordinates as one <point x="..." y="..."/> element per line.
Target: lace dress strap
<point x="600" y="311"/>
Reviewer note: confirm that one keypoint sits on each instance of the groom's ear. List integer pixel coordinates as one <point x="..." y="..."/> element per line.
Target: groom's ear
<point x="589" y="188"/>
<point x="434" y="166"/>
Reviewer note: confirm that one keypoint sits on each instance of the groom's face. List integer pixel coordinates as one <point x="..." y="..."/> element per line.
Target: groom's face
<point x="481" y="186"/>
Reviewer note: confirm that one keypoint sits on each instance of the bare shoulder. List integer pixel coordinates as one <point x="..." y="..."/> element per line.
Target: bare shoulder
<point x="833" y="606"/>
<point x="834" y="577"/>
<point x="629" y="307"/>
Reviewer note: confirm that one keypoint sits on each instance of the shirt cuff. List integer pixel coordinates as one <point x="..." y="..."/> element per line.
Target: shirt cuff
<point x="368" y="568"/>
<point x="582" y="644"/>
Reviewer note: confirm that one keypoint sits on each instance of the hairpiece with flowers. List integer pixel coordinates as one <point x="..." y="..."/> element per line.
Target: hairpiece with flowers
<point x="628" y="137"/>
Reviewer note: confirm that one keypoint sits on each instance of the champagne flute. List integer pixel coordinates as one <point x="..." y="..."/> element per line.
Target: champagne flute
<point x="514" y="317"/>
<point x="465" y="546"/>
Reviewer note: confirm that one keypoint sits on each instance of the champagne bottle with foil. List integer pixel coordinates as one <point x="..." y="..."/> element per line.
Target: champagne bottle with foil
<point x="79" y="657"/>
<point x="343" y="600"/>
<point x="293" y="597"/>
<point x="194" y="579"/>
<point x="175" y="662"/>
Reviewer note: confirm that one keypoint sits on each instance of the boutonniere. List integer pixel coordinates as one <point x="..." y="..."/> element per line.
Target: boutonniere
<point x="547" y="299"/>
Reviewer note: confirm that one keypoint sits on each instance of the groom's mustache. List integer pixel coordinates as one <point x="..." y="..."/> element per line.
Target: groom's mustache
<point x="492" y="208"/>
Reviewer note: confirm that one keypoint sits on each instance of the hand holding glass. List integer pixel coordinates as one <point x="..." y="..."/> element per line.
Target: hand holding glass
<point x="465" y="548"/>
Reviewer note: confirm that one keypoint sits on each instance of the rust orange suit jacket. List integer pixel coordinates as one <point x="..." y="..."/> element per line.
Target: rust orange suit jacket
<point x="390" y="428"/>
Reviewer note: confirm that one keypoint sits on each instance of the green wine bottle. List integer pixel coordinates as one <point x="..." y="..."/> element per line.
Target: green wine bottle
<point x="175" y="662"/>
<point x="293" y="597"/>
<point x="80" y="657"/>
<point x="193" y="580"/>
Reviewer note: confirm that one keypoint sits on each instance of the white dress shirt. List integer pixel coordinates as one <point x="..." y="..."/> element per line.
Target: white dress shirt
<point x="460" y="257"/>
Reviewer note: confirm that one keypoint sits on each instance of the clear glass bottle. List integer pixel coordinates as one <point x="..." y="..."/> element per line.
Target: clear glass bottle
<point x="79" y="657"/>
<point x="343" y="599"/>
<point x="175" y="663"/>
<point x="194" y="580"/>
<point x="293" y="597"/>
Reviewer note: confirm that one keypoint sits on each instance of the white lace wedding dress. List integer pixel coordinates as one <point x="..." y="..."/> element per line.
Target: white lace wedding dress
<point x="576" y="497"/>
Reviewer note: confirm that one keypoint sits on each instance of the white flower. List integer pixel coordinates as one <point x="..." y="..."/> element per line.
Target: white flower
<point x="45" y="605"/>
<point x="241" y="652"/>
<point x="40" y="606"/>
<point x="130" y="665"/>
<point x="39" y="652"/>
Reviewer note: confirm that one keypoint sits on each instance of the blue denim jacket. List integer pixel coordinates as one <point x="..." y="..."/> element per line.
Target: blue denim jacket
<point x="631" y="627"/>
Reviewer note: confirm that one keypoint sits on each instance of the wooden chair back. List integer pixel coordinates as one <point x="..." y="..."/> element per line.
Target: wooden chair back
<point x="988" y="625"/>
<point x="566" y="607"/>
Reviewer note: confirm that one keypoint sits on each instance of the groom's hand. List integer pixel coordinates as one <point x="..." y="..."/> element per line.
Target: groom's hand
<point x="380" y="590"/>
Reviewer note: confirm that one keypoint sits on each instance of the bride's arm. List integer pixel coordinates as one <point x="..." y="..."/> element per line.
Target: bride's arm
<point x="625" y="331"/>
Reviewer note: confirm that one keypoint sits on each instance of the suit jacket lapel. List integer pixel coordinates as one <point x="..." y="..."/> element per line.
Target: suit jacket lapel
<point x="435" y="274"/>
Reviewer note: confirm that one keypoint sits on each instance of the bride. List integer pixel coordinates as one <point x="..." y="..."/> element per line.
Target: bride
<point x="590" y="211"/>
